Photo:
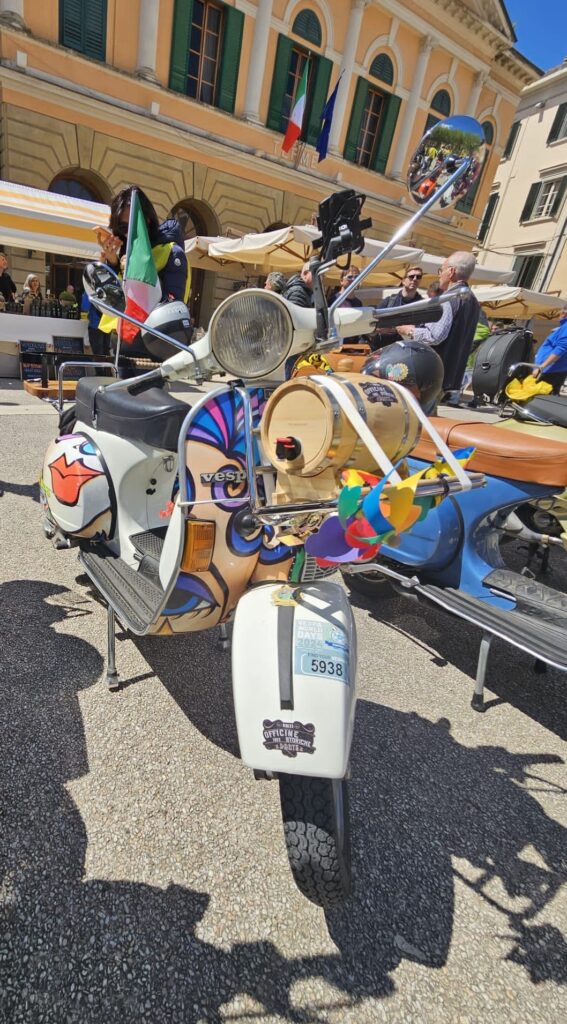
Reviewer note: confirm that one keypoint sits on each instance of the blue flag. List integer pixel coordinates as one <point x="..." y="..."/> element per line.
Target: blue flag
<point x="326" y="121"/>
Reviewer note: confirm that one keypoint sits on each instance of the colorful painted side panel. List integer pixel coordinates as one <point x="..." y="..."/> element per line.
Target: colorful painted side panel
<point x="75" y="489"/>
<point x="215" y="454"/>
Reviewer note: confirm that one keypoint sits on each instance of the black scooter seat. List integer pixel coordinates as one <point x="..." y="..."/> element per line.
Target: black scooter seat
<point x="153" y="417"/>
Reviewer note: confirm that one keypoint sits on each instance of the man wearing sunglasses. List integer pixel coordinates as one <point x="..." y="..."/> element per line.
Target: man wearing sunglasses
<point x="408" y="293"/>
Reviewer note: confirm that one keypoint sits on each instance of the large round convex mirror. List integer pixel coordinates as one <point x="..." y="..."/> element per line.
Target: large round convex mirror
<point x="100" y="282"/>
<point x="457" y="142"/>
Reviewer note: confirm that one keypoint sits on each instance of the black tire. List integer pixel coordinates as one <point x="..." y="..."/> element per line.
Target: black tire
<point x="315" y="816"/>
<point x="369" y="584"/>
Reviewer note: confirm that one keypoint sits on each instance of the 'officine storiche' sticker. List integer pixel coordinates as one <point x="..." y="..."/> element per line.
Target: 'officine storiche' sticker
<point x="291" y="738"/>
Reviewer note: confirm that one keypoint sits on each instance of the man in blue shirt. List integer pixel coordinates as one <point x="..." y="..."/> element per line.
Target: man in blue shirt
<point x="551" y="357"/>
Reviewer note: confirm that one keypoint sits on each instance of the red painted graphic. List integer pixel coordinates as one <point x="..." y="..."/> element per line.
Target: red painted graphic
<point x="67" y="479"/>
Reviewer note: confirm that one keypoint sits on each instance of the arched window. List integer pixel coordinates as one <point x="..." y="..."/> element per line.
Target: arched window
<point x="488" y="132"/>
<point x="441" y="103"/>
<point x="440" y="107"/>
<point x="383" y="69"/>
<point x="63" y="269"/>
<point x="308" y="26"/>
<point x="74" y="188"/>
<point x="196" y="218"/>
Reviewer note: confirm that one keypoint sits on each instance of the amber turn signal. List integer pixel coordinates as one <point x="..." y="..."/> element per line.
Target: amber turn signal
<point x="199" y="544"/>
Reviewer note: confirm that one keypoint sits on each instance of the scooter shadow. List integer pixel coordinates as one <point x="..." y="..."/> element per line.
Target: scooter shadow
<point x="510" y="673"/>
<point x="197" y="674"/>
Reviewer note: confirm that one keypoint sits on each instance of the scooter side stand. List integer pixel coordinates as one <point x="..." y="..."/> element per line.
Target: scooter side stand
<point x="112" y="676"/>
<point x="477" y="702"/>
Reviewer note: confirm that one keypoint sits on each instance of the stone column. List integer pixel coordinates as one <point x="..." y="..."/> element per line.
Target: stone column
<point x="347" y="68"/>
<point x="476" y="90"/>
<point x="257" y="64"/>
<point x="147" y="40"/>
<point x="401" y="155"/>
<point x="12" y="13"/>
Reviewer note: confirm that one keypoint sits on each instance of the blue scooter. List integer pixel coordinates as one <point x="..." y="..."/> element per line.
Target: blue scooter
<point x="452" y="558"/>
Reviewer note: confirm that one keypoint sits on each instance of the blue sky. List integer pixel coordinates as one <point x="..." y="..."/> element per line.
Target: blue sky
<point x="541" y="28"/>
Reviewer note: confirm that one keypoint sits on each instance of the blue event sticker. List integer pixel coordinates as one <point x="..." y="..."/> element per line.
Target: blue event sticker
<point x="320" y="650"/>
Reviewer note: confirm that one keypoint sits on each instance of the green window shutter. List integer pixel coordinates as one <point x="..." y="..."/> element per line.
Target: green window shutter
<point x="488" y="215"/>
<point x="530" y="201"/>
<point x="230" y="59"/>
<point x="318" y="98"/>
<point x="95" y="29"/>
<point x="511" y="141"/>
<point x="559" y="198"/>
<point x="279" y="82"/>
<point x="71" y="24"/>
<point x="387" y="130"/>
<point x="360" y="97"/>
<point x="182" y="19"/>
<point x="557" y="122"/>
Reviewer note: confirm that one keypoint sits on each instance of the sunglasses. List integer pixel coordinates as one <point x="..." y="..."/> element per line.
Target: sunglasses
<point x="414" y="277"/>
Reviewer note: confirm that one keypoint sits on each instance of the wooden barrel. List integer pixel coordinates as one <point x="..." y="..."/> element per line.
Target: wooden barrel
<point x="305" y="410"/>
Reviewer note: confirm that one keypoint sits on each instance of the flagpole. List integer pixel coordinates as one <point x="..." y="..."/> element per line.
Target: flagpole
<point x="128" y="248"/>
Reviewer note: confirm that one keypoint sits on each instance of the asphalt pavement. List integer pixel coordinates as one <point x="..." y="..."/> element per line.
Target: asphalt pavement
<point x="143" y="870"/>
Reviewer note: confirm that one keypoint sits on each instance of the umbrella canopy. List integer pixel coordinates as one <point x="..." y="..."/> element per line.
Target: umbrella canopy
<point x="286" y="249"/>
<point x="198" y="254"/>
<point x="518" y="303"/>
<point x="48" y="222"/>
<point x="481" y="274"/>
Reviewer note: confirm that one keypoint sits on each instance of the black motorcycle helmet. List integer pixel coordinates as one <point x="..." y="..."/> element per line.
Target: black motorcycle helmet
<point x="413" y="364"/>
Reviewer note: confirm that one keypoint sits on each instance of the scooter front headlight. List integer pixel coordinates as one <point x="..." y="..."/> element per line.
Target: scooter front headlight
<point x="251" y="333"/>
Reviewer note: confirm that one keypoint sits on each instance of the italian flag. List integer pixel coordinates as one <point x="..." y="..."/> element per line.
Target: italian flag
<point x="141" y="283"/>
<point x="295" y="123"/>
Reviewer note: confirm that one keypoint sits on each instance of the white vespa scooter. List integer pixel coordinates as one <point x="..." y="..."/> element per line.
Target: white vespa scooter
<point x="187" y="517"/>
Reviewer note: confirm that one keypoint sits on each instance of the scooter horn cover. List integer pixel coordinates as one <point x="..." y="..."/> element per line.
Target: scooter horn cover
<point x="413" y="364"/>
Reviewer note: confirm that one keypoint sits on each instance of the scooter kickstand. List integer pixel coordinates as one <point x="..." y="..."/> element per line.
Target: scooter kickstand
<point x="224" y="639"/>
<point x="477" y="702"/>
<point x="112" y="677"/>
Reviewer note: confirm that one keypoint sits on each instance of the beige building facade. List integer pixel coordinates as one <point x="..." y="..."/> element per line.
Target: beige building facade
<point x="190" y="99"/>
<point x="524" y="226"/>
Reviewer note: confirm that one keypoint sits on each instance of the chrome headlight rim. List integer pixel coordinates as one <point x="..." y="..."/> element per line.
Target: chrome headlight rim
<point x="249" y="294"/>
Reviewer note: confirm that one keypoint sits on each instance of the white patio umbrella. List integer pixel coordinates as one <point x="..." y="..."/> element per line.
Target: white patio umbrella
<point x="45" y="221"/>
<point x="286" y="249"/>
<point x="198" y="253"/>
<point x="518" y="303"/>
<point x="482" y="274"/>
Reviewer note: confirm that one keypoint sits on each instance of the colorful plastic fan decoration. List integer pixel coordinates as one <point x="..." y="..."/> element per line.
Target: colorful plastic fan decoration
<point x="367" y="517"/>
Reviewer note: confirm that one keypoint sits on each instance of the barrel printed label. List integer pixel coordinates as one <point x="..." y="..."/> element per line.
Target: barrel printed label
<point x="377" y="392"/>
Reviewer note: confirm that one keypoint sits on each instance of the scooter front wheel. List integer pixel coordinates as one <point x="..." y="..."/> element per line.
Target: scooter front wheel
<point x="369" y="584"/>
<point x="315" y="816"/>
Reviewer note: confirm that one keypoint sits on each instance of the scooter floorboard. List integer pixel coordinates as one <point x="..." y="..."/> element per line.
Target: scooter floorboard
<point x="530" y="628"/>
<point x="135" y="598"/>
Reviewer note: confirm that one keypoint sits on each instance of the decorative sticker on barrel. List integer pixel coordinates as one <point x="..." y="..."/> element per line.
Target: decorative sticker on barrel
<point x="320" y="650"/>
<point x="291" y="738"/>
<point x="378" y="392"/>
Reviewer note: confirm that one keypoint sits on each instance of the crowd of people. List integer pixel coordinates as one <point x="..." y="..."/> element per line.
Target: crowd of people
<point x="454" y="336"/>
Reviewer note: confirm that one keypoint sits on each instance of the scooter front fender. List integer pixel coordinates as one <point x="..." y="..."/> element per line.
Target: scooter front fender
<point x="293" y="672"/>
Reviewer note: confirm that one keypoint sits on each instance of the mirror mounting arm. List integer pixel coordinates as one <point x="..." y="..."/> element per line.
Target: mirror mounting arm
<point x="100" y="304"/>
<point x="461" y="170"/>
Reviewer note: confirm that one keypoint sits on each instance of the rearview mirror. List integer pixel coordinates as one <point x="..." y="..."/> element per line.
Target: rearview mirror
<point x="100" y="282"/>
<point x="457" y="142"/>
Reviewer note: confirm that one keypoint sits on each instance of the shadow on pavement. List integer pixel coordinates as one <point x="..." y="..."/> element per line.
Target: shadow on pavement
<point x="21" y="490"/>
<point x="100" y="951"/>
<point x="510" y="672"/>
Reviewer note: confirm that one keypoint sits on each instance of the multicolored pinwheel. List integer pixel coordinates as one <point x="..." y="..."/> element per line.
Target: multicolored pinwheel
<point x="368" y="516"/>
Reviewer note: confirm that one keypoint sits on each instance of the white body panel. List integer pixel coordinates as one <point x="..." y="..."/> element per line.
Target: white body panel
<point x="132" y="466"/>
<point x="299" y="643"/>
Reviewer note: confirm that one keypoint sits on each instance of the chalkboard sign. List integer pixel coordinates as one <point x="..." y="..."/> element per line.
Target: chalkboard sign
<point x="74" y="346"/>
<point x="33" y="346"/>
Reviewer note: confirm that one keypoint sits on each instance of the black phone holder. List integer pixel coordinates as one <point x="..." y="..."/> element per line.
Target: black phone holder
<point x="340" y="225"/>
